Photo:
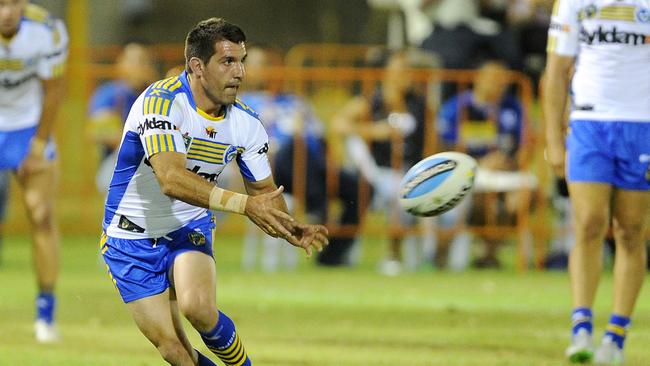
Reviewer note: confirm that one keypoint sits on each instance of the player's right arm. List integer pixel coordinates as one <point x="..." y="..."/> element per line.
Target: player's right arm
<point x="561" y="50"/>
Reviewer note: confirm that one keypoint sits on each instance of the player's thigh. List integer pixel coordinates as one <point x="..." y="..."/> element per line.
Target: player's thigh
<point x="195" y="280"/>
<point x="631" y="209"/>
<point x="591" y="204"/>
<point x="153" y="317"/>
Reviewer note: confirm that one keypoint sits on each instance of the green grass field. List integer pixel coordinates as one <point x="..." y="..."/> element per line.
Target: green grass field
<point x="314" y="316"/>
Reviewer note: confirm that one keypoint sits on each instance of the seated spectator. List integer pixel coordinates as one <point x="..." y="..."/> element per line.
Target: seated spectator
<point x="485" y="122"/>
<point x="395" y="112"/>
<point x="111" y="102"/>
<point x="284" y="115"/>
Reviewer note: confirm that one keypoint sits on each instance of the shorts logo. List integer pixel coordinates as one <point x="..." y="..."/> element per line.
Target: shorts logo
<point x="197" y="238"/>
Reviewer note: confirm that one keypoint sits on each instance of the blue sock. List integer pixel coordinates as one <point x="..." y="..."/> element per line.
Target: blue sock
<point x="581" y="319"/>
<point x="45" y="303"/>
<point x="224" y="342"/>
<point x="617" y="328"/>
<point x="204" y="361"/>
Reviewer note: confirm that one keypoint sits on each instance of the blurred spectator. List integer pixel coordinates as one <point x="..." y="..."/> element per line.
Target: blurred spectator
<point x="460" y="35"/>
<point x="111" y="102"/>
<point x="393" y="114"/>
<point x="285" y="115"/>
<point x="487" y="124"/>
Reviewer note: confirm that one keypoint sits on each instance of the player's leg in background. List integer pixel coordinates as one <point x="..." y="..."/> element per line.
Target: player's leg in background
<point x="195" y="284"/>
<point x="4" y="193"/>
<point x="39" y="193"/>
<point x="155" y="320"/>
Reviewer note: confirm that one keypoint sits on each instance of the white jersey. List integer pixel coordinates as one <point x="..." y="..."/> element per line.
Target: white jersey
<point x="36" y="52"/>
<point x="166" y="118"/>
<point x="611" y="39"/>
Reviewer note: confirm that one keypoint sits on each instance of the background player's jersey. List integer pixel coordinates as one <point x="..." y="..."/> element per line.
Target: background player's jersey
<point x="166" y="118"/>
<point x="37" y="51"/>
<point x="611" y="39"/>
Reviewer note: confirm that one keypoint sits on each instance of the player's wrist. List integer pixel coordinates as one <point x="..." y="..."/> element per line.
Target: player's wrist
<point x="38" y="145"/>
<point x="228" y="201"/>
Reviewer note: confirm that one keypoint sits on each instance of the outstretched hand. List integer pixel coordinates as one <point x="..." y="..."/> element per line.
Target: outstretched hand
<point x="262" y="212"/>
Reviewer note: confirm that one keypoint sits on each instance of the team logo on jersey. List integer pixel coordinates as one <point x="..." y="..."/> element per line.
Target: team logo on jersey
<point x="588" y="12"/>
<point x="211" y="132"/>
<point x="230" y="154"/>
<point x="187" y="140"/>
<point x="196" y="237"/>
<point x="643" y="15"/>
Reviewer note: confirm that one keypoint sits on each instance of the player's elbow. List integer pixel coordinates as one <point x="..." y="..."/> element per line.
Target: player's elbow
<point x="169" y="181"/>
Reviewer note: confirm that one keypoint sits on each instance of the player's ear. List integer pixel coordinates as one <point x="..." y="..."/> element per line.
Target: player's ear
<point x="196" y="65"/>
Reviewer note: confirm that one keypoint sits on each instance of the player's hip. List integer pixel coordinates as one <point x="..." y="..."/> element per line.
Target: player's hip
<point x="16" y="144"/>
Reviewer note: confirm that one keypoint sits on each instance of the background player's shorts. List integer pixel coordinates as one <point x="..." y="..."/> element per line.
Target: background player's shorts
<point x="141" y="268"/>
<point x="617" y="153"/>
<point x="14" y="146"/>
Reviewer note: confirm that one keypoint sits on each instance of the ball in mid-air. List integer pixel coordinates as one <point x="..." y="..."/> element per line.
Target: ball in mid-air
<point x="437" y="184"/>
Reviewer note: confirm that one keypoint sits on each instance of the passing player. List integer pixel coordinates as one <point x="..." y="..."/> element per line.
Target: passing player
<point x="32" y="58"/>
<point x="607" y="153"/>
<point x="178" y="137"/>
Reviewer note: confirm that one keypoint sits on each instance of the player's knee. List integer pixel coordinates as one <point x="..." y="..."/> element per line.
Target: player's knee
<point x="592" y="227"/>
<point x="199" y="312"/>
<point x="40" y="214"/>
<point x="172" y="350"/>
<point x="629" y="234"/>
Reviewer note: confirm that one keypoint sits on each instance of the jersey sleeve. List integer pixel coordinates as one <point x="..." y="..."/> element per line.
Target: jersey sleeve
<point x="563" y="31"/>
<point x="253" y="161"/>
<point x="160" y="127"/>
<point x="55" y="52"/>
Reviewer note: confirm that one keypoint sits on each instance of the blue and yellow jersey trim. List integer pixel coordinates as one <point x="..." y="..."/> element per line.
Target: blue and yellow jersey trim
<point x="160" y="95"/>
<point x="208" y="151"/>
<point x="159" y="143"/>
<point x="244" y="107"/>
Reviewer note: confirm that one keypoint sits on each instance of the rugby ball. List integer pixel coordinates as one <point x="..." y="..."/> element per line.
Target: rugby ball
<point x="437" y="184"/>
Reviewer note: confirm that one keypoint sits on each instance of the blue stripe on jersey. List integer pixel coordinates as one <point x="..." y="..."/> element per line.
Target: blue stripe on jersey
<point x="244" y="169"/>
<point x="128" y="160"/>
<point x="241" y="105"/>
<point x="185" y="86"/>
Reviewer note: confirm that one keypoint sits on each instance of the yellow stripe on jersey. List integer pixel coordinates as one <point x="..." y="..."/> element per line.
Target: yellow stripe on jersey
<point x="36" y="13"/>
<point x="11" y="64"/>
<point x="57" y="70"/>
<point x="556" y="8"/>
<point x="618" y="12"/>
<point x="551" y="44"/>
<point x="158" y="99"/>
<point x="207" y="151"/>
<point x="159" y="143"/>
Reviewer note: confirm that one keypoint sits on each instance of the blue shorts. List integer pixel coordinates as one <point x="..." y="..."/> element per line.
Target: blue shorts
<point x="14" y="146"/>
<point x="616" y="153"/>
<point x="141" y="268"/>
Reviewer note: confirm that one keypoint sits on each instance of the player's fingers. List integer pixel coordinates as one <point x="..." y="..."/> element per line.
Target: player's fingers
<point x="309" y="251"/>
<point x="322" y="238"/>
<point x="277" y="192"/>
<point x="281" y="214"/>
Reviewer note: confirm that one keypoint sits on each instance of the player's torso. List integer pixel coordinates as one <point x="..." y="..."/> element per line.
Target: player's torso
<point x="612" y="78"/>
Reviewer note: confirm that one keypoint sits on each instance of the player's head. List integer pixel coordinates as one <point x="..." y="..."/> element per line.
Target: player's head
<point x="10" y="13"/>
<point x="491" y="81"/>
<point x="135" y="65"/>
<point x="214" y="54"/>
<point x="397" y="72"/>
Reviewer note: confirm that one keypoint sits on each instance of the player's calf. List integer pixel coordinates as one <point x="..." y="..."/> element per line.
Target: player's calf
<point x="223" y="340"/>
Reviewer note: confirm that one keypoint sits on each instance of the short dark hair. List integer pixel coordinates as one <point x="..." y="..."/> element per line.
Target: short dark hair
<point x="201" y="39"/>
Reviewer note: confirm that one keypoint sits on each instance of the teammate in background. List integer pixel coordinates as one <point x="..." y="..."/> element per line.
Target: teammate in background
<point x="32" y="60"/>
<point x="111" y="102"/>
<point x="178" y="137"/>
<point x="607" y="154"/>
<point x="487" y="122"/>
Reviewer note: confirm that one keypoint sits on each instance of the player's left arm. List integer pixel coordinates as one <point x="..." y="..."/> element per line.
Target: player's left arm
<point x="50" y="71"/>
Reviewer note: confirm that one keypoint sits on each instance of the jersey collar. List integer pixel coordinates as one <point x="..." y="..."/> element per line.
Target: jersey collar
<point x="185" y="84"/>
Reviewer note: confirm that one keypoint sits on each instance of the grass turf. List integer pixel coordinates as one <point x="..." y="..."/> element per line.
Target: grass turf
<point x="315" y="316"/>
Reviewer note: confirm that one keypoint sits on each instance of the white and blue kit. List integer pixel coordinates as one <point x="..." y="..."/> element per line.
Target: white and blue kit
<point x="37" y="51"/>
<point x="145" y="229"/>
<point x="609" y="136"/>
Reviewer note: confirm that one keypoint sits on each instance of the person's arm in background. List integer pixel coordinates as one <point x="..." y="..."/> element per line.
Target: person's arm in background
<point x="50" y="72"/>
<point x="105" y="118"/>
<point x="561" y="50"/>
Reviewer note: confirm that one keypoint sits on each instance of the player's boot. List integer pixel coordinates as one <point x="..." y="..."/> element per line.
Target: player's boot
<point x="608" y="353"/>
<point x="581" y="349"/>
<point x="46" y="332"/>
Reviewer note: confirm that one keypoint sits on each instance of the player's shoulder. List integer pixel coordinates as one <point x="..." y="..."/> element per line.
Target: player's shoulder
<point x="158" y="98"/>
<point x="38" y="15"/>
<point x="245" y="109"/>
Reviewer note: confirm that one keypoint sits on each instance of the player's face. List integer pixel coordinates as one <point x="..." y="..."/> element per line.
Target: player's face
<point x="10" y="13"/>
<point x="224" y="72"/>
